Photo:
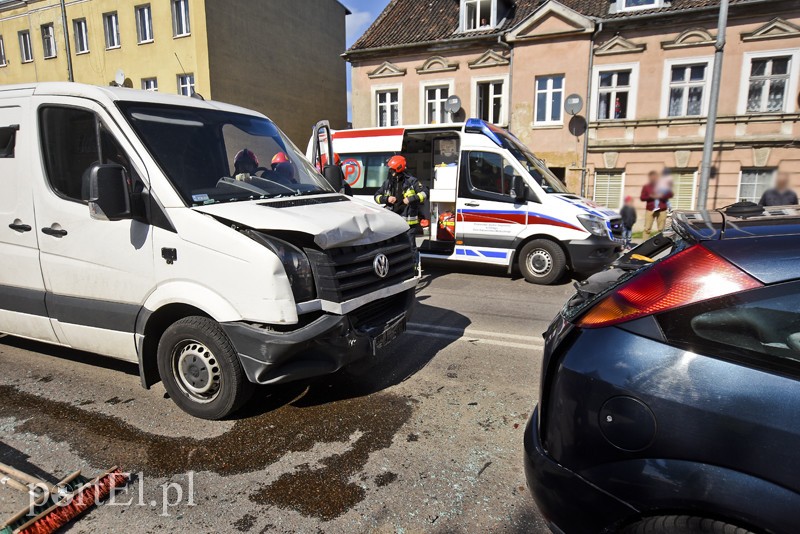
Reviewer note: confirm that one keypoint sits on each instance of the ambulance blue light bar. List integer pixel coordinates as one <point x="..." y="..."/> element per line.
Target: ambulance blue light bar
<point x="482" y="127"/>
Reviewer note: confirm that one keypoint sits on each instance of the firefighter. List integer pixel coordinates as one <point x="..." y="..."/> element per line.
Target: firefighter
<point x="401" y="192"/>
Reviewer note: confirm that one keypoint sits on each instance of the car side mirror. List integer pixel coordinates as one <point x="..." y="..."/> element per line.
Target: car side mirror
<point x="335" y="176"/>
<point x="109" y="196"/>
<point x="518" y="188"/>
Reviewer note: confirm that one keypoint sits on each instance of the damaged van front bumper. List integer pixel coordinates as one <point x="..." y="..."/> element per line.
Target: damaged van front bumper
<point x="324" y="345"/>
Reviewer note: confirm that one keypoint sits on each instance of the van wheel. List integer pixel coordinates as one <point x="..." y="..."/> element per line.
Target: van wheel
<point x="200" y="369"/>
<point x="542" y="262"/>
<point x="682" y="524"/>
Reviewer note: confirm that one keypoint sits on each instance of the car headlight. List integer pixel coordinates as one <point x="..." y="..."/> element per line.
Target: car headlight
<point x="295" y="263"/>
<point x="594" y="225"/>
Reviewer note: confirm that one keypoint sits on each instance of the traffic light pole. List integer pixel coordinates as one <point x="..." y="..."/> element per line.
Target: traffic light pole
<point x="713" y="104"/>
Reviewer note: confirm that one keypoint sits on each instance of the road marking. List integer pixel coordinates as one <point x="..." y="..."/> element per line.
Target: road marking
<point x="476" y="337"/>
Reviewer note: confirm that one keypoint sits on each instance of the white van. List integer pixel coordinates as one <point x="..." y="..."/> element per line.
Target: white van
<point x="507" y="207"/>
<point x="125" y="234"/>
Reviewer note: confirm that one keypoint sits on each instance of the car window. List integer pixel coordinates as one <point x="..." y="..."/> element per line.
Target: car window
<point x="72" y="141"/>
<point x="366" y="171"/>
<point x="8" y="140"/>
<point x="760" y="326"/>
<point x="490" y="173"/>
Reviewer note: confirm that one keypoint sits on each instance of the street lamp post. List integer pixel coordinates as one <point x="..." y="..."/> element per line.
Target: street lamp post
<point x="713" y="104"/>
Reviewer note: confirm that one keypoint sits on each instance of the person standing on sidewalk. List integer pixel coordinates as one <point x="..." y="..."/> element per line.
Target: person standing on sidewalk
<point x="656" y="205"/>
<point x="779" y="195"/>
<point x="628" y="214"/>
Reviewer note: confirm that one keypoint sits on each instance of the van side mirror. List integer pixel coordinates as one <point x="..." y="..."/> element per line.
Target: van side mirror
<point x="335" y="176"/>
<point x="109" y="197"/>
<point x="518" y="188"/>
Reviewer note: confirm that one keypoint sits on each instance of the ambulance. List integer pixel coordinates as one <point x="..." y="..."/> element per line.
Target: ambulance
<point x="491" y="199"/>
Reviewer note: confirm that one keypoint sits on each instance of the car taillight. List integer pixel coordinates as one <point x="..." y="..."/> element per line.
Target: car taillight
<point x="690" y="276"/>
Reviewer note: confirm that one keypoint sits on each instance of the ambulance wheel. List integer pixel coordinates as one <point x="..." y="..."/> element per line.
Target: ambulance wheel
<point x="542" y="262"/>
<point x="200" y="369"/>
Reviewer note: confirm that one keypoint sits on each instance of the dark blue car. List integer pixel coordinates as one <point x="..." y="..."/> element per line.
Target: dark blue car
<point x="670" y="392"/>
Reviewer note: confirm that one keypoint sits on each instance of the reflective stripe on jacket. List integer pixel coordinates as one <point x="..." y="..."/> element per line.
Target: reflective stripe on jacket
<point x="406" y="186"/>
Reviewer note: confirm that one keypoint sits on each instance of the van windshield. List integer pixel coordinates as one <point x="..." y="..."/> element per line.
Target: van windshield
<point x="535" y="167"/>
<point x="213" y="156"/>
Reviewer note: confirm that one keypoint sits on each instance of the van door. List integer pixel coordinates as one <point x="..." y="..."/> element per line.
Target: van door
<point x="22" y="306"/>
<point x="97" y="273"/>
<point x="488" y="220"/>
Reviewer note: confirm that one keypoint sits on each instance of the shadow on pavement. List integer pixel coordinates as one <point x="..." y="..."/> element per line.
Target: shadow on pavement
<point x="436" y="268"/>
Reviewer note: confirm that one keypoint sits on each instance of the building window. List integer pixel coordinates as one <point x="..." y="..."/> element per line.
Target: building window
<point x="683" y="187"/>
<point x="25" y="49"/>
<point x="490" y="104"/>
<point x="608" y="187"/>
<point x="3" y="61"/>
<point x="614" y="94"/>
<point x="478" y="14"/>
<point x="150" y="84"/>
<point x="111" y="25"/>
<point x="631" y="5"/>
<point x="754" y="182"/>
<point x="687" y="85"/>
<point x="388" y="107"/>
<point x="186" y="84"/>
<point x="435" y="99"/>
<point x="81" y="36"/>
<point x="180" y="18"/>
<point x="769" y="80"/>
<point x="549" y="99"/>
<point x="144" y="23"/>
<point x="49" y="41"/>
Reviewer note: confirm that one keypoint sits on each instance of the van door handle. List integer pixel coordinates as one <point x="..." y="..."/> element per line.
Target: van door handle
<point x="55" y="232"/>
<point x="472" y="204"/>
<point x="19" y="226"/>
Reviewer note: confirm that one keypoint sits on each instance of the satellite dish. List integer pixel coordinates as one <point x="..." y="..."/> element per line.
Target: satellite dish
<point x="119" y="78"/>
<point x="573" y="104"/>
<point x="453" y="104"/>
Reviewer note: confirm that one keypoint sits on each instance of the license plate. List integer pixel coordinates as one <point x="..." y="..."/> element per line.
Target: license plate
<point x="392" y="331"/>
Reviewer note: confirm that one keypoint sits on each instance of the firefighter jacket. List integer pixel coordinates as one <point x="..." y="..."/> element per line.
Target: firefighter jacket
<point x="404" y="186"/>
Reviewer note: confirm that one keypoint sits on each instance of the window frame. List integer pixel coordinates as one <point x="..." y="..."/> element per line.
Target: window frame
<point x="49" y="32"/>
<point x="477" y="81"/>
<point x="666" y="85"/>
<point x="81" y="28"/>
<point x="632" y="91"/>
<point x="549" y="91"/>
<point x="789" y="103"/>
<point x="3" y="59"/>
<point x="434" y="84"/>
<point x="376" y="90"/>
<point x="463" y="19"/>
<point x="610" y="172"/>
<point x="183" y="17"/>
<point x="107" y="17"/>
<point x="191" y="86"/>
<point x="139" y="33"/>
<point x="26" y="35"/>
<point x="621" y="7"/>
<point x="773" y="172"/>
<point x="482" y="194"/>
<point x="145" y="81"/>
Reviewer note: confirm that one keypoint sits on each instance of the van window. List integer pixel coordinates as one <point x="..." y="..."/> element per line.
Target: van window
<point x="490" y="173"/>
<point x="72" y="141"/>
<point x="366" y="171"/>
<point x="8" y="140"/>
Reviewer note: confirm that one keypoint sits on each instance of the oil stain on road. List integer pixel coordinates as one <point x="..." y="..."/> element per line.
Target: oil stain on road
<point x="252" y="444"/>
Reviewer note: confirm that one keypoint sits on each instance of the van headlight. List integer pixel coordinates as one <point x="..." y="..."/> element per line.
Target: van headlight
<point x="295" y="263"/>
<point x="594" y="225"/>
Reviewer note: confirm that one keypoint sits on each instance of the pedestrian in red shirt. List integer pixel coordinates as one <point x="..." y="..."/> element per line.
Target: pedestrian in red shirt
<point x="656" y="200"/>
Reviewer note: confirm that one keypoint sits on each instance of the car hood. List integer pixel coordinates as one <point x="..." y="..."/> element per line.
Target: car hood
<point x="588" y="206"/>
<point x="332" y="223"/>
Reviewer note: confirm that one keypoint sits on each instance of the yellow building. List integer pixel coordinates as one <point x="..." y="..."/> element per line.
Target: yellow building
<point x="251" y="53"/>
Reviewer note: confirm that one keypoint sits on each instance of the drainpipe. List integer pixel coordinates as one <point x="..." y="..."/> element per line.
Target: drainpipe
<point x="68" y="50"/>
<point x="708" y="146"/>
<point x="510" y="48"/>
<point x="595" y="33"/>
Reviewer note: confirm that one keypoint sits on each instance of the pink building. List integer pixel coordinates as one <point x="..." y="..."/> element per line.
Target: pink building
<point x="641" y="67"/>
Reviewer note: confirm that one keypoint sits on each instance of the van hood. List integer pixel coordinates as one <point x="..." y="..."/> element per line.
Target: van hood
<point x="333" y="222"/>
<point x="588" y="206"/>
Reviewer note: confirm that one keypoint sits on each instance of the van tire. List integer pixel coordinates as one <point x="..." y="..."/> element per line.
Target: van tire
<point x="200" y="369"/>
<point x="683" y="524"/>
<point x="542" y="262"/>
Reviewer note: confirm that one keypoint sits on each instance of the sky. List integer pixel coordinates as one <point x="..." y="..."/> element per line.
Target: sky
<point x="364" y="13"/>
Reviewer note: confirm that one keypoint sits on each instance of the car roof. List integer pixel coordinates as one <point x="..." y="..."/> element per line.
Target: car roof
<point x="730" y="223"/>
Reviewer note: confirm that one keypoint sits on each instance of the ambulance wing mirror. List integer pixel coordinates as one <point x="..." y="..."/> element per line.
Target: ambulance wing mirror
<point x="109" y="196"/>
<point x="518" y="188"/>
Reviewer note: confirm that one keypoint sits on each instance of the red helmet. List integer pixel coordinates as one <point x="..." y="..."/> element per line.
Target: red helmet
<point x="244" y="157"/>
<point x="397" y="164"/>
<point x="279" y="158"/>
<point x="336" y="159"/>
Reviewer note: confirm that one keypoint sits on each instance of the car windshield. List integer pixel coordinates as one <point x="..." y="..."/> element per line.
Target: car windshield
<point x="213" y="156"/>
<point x="535" y="167"/>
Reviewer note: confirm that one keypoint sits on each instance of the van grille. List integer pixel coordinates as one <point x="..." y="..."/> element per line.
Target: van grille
<point x="346" y="273"/>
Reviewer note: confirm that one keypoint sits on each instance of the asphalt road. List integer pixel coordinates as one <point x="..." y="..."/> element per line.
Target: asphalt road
<point x="430" y="440"/>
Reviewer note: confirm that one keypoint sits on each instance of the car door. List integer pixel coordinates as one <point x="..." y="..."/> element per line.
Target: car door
<point x="488" y="219"/>
<point x="22" y="292"/>
<point x="97" y="273"/>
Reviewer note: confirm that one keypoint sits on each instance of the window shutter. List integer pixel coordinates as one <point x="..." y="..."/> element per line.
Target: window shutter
<point x="608" y="189"/>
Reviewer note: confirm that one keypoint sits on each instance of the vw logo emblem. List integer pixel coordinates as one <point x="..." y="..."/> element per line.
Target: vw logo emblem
<point x="381" y="265"/>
